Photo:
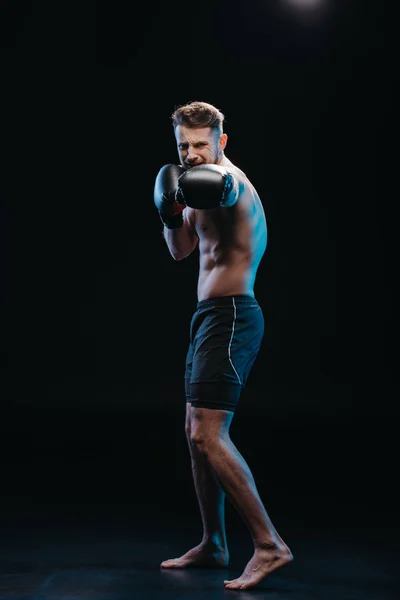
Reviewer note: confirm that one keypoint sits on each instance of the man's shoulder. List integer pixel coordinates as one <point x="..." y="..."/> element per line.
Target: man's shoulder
<point x="245" y="186"/>
<point x="237" y="172"/>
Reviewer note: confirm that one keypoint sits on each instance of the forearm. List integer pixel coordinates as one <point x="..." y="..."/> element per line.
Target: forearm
<point x="179" y="241"/>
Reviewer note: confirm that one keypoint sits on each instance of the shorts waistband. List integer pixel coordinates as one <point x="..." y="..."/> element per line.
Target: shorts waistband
<point x="238" y="300"/>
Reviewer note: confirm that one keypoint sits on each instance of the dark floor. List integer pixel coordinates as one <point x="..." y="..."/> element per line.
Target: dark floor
<point x="92" y="503"/>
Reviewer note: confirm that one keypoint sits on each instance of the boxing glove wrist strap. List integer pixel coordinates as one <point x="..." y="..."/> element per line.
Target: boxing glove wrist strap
<point x="173" y="222"/>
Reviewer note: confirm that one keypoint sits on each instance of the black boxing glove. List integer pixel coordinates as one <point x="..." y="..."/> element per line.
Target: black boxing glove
<point x="205" y="186"/>
<point x="165" y="189"/>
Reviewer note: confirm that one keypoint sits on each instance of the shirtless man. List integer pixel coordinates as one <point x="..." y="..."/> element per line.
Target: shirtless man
<point x="208" y="202"/>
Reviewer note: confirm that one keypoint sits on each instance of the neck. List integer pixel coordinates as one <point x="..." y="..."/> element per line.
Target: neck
<point x="223" y="161"/>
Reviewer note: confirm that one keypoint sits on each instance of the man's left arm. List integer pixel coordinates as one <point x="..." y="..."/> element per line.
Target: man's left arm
<point x="208" y="186"/>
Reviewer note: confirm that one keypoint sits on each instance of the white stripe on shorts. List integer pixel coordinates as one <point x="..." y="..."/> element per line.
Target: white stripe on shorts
<point x="230" y="341"/>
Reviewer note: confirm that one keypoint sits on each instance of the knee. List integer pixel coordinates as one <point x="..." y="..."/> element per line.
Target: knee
<point x="196" y="438"/>
<point x="201" y="440"/>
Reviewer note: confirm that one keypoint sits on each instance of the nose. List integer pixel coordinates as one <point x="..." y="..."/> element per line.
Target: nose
<point x="192" y="156"/>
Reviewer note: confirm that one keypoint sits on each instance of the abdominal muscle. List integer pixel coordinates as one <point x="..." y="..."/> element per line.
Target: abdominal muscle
<point x="232" y="242"/>
<point x="232" y="277"/>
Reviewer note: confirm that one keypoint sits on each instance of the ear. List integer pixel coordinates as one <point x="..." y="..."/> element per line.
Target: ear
<point x="223" y="140"/>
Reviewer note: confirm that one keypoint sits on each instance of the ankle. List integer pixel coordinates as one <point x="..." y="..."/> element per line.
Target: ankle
<point x="215" y="541"/>
<point x="266" y="543"/>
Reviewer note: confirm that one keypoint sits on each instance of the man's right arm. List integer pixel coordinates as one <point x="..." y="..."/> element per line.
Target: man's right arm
<point x="181" y="241"/>
<point x="179" y="232"/>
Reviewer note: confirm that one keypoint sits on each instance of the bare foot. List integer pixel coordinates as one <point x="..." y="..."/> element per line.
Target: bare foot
<point x="201" y="556"/>
<point x="262" y="563"/>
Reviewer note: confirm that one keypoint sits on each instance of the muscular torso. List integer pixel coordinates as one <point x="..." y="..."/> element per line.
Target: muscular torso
<point x="232" y="241"/>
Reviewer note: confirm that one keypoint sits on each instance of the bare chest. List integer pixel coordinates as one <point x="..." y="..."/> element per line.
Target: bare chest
<point x="218" y="225"/>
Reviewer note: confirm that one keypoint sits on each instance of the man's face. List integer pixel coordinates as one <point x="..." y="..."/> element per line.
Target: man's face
<point x="199" y="146"/>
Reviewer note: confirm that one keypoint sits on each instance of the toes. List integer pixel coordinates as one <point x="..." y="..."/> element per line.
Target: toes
<point x="236" y="585"/>
<point x="172" y="562"/>
<point x="231" y="583"/>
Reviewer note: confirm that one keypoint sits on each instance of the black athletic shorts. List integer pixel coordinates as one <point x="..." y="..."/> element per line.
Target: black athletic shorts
<point x="225" y="337"/>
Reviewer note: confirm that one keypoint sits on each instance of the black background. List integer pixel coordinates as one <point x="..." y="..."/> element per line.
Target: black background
<point x="96" y="313"/>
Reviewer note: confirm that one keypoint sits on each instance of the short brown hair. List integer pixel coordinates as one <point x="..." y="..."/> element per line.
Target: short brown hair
<point x="198" y="114"/>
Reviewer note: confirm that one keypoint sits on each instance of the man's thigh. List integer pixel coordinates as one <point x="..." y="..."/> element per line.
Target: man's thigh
<point x="206" y="423"/>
